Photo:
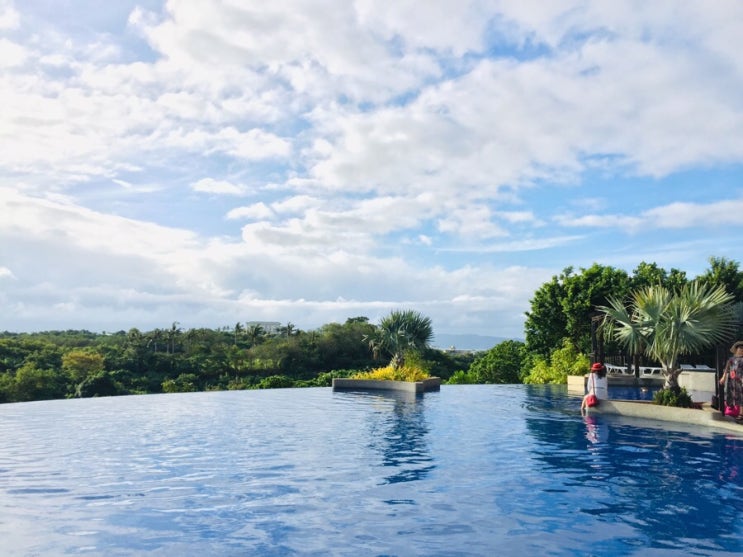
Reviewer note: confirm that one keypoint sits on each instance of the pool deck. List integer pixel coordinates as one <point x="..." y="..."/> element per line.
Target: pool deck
<point x="704" y="416"/>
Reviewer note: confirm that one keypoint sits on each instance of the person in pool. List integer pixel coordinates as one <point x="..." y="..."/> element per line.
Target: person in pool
<point x="597" y="384"/>
<point x="732" y="378"/>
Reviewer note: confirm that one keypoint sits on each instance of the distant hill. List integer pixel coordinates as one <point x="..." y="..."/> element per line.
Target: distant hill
<point x="466" y="342"/>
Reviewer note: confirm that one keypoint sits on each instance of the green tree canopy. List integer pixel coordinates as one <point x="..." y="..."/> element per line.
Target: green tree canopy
<point x="562" y="308"/>
<point x="725" y="272"/>
<point x="650" y="274"/>
<point x="80" y="363"/>
<point x="500" y="364"/>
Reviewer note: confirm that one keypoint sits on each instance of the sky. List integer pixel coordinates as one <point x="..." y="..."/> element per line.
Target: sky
<point x="207" y="162"/>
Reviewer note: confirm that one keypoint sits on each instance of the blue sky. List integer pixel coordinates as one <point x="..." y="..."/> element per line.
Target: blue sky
<point x="305" y="162"/>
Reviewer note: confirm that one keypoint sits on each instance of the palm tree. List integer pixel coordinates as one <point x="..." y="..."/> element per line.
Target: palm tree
<point x="663" y="324"/>
<point x="401" y="330"/>
<point x="288" y="330"/>
<point x="255" y="333"/>
<point x="238" y="331"/>
<point x="172" y="335"/>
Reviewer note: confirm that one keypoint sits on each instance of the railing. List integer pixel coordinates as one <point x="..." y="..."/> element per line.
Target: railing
<point x="651" y="371"/>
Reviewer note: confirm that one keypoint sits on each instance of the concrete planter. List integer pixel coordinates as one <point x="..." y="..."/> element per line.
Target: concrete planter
<point x="430" y="384"/>
<point x="577" y="384"/>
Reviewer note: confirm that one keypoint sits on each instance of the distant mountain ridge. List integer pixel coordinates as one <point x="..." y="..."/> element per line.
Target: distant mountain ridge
<point x="466" y="342"/>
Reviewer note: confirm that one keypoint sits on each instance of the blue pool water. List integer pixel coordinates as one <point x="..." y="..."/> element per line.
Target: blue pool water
<point x="472" y="470"/>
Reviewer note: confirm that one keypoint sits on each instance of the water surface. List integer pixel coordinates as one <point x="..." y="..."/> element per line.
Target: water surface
<point x="471" y="470"/>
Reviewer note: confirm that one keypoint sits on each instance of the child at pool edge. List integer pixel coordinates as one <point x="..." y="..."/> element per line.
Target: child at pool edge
<point x="597" y="384"/>
<point x="732" y="376"/>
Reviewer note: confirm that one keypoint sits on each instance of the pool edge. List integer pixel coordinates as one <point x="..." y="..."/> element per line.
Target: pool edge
<point x="706" y="416"/>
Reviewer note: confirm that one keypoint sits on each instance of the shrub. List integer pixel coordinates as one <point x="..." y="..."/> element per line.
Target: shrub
<point x="275" y="382"/>
<point x="462" y="377"/>
<point x="325" y="379"/>
<point x="673" y="397"/>
<point x="563" y="362"/>
<point x="389" y="373"/>
<point x="184" y="383"/>
<point x="99" y="384"/>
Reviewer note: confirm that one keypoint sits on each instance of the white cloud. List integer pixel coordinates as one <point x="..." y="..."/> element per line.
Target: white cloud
<point x="676" y="215"/>
<point x="446" y="26"/>
<point x="257" y="211"/>
<point x="390" y="155"/>
<point x="11" y="54"/>
<point x="319" y="48"/>
<point x="210" y="185"/>
<point x="522" y="245"/>
<point x="622" y="222"/>
<point x="9" y="16"/>
<point x="471" y="221"/>
<point x="516" y="216"/>
<point x="297" y="204"/>
<point x="145" y="273"/>
<point x="695" y="215"/>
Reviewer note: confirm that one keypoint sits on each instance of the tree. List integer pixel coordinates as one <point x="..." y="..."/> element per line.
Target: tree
<point x="649" y="274"/>
<point x="172" y="336"/>
<point x="32" y="383"/>
<point x="255" y="333"/>
<point x="500" y="364"/>
<point x="399" y="331"/>
<point x="238" y="331"/>
<point x="82" y="363"/>
<point x="725" y="272"/>
<point x="664" y="325"/>
<point x="342" y="346"/>
<point x="562" y="308"/>
<point x="184" y="383"/>
<point x="99" y="384"/>
<point x="546" y="323"/>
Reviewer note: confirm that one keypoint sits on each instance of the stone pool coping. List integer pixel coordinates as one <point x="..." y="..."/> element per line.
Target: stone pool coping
<point x="705" y="416"/>
<point x="430" y="384"/>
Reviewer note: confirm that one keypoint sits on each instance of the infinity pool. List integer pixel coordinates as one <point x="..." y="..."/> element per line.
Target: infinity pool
<point x="472" y="470"/>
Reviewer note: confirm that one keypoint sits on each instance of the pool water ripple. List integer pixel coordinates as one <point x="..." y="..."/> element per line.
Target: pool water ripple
<point x="471" y="470"/>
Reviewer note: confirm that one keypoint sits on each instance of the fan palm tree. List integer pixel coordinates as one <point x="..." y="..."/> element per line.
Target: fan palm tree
<point x="663" y="324"/>
<point x="399" y="331"/>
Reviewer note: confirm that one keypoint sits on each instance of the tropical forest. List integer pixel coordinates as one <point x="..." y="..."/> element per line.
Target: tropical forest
<point x="558" y="341"/>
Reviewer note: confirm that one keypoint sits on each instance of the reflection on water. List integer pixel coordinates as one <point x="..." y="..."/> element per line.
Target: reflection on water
<point x="471" y="470"/>
<point x="677" y="487"/>
<point x="597" y="431"/>
<point x="399" y="433"/>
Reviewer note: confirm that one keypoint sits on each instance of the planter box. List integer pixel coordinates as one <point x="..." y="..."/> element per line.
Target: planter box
<point x="430" y="384"/>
